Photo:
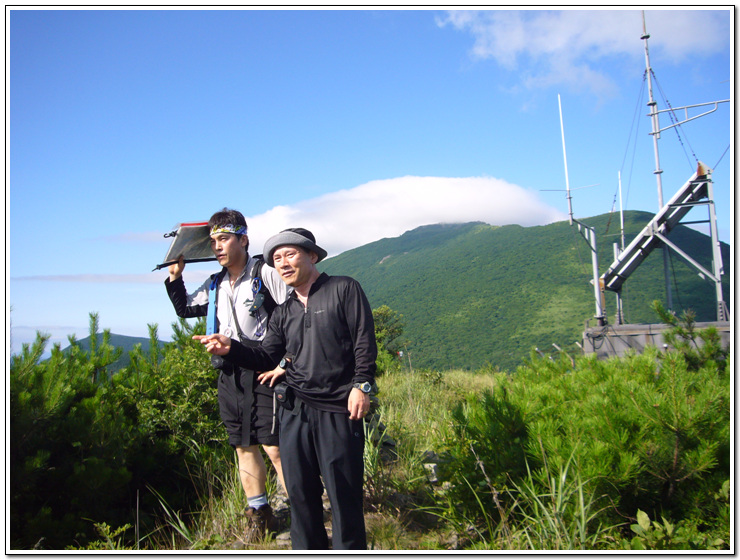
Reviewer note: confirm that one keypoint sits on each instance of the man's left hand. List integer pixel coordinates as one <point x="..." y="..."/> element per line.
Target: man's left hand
<point x="271" y="376"/>
<point x="358" y="405"/>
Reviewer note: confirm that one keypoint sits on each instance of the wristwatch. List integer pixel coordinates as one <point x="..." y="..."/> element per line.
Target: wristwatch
<point x="364" y="387"/>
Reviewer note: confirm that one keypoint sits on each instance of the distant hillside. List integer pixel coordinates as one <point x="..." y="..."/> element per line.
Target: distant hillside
<point x="473" y="294"/>
<point x="118" y="341"/>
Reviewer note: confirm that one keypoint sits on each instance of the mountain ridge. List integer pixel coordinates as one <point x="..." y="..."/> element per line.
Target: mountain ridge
<point x="127" y="343"/>
<point x="474" y="294"/>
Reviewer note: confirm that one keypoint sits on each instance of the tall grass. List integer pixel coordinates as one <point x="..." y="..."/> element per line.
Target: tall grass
<point x="555" y="512"/>
<point x="220" y="522"/>
<point x="555" y="501"/>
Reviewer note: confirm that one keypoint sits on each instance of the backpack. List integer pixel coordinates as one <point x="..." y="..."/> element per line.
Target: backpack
<point x="263" y="297"/>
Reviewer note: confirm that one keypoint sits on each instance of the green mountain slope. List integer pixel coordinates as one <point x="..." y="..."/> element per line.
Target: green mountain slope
<point x="473" y="294"/>
<point x="117" y="341"/>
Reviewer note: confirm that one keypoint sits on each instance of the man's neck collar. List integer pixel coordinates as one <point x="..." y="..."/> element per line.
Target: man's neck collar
<point x="303" y="291"/>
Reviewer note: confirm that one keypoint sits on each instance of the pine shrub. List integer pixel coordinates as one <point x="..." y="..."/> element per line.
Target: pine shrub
<point x="642" y="432"/>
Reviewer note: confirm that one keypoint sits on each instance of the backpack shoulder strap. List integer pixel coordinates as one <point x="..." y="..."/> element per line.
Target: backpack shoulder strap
<point x="268" y="302"/>
<point x="259" y="262"/>
<point x="211" y="321"/>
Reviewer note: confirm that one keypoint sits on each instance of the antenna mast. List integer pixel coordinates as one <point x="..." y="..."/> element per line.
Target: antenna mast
<point x="617" y="250"/>
<point x="658" y="171"/>
<point x="565" y="160"/>
<point x="653" y="236"/>
<point x="589" y="236"/>
<point x="653" y="114"/>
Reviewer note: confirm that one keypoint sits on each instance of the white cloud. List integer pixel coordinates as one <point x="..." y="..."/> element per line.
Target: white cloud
<point x="350" y="218"/>
<point x="678" y="34"/>
<point x="387" y="208"/>
<point x="570" y="47"/>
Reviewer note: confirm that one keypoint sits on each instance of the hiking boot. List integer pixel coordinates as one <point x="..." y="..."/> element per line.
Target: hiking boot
<point x="260" y="521"/>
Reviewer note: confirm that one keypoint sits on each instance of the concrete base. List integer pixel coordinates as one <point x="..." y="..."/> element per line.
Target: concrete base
<point x="616" y="340"/>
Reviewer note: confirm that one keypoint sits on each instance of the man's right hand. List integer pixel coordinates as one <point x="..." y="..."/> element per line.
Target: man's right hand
<point x="177" y="268"/>
<point x="216" y="344"/>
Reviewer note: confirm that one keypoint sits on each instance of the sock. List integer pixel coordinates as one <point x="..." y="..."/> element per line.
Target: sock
<point x="257" y="502"/>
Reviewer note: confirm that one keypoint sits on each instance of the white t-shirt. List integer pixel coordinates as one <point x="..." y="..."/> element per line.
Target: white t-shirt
<point x="253" y="326"/>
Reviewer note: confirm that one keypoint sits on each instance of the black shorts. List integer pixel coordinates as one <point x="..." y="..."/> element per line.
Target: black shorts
<point x="263" y="422"/>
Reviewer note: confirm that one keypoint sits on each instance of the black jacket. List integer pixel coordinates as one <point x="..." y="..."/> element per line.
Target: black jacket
<point x="332" y="342"/>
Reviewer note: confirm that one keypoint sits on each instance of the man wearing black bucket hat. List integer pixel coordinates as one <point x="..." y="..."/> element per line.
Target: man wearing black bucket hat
<point x="326" y="324"/>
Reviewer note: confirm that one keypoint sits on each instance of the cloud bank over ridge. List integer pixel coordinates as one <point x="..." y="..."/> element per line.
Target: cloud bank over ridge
<point x="350" y="218"/>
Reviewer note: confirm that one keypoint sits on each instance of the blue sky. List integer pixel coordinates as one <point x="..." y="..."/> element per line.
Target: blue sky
<point x="358" y="124"/>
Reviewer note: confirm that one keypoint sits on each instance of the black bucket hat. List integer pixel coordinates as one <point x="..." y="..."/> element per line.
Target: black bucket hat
<point x="293" y="236"/>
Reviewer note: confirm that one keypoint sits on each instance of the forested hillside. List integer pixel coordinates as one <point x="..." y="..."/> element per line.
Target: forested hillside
<point x="473" y="294"/>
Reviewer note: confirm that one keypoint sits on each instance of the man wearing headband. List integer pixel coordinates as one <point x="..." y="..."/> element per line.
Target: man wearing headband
<point x="326" y="324"/>
<point x="239" y="315"/>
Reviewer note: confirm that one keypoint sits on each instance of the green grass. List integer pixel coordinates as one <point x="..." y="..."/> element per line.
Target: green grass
<point x="551" y="506"/>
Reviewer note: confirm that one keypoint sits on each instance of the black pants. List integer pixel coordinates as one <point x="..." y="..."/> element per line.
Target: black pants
<point x="246" y="408"/>
<point x="316" y="444"/>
